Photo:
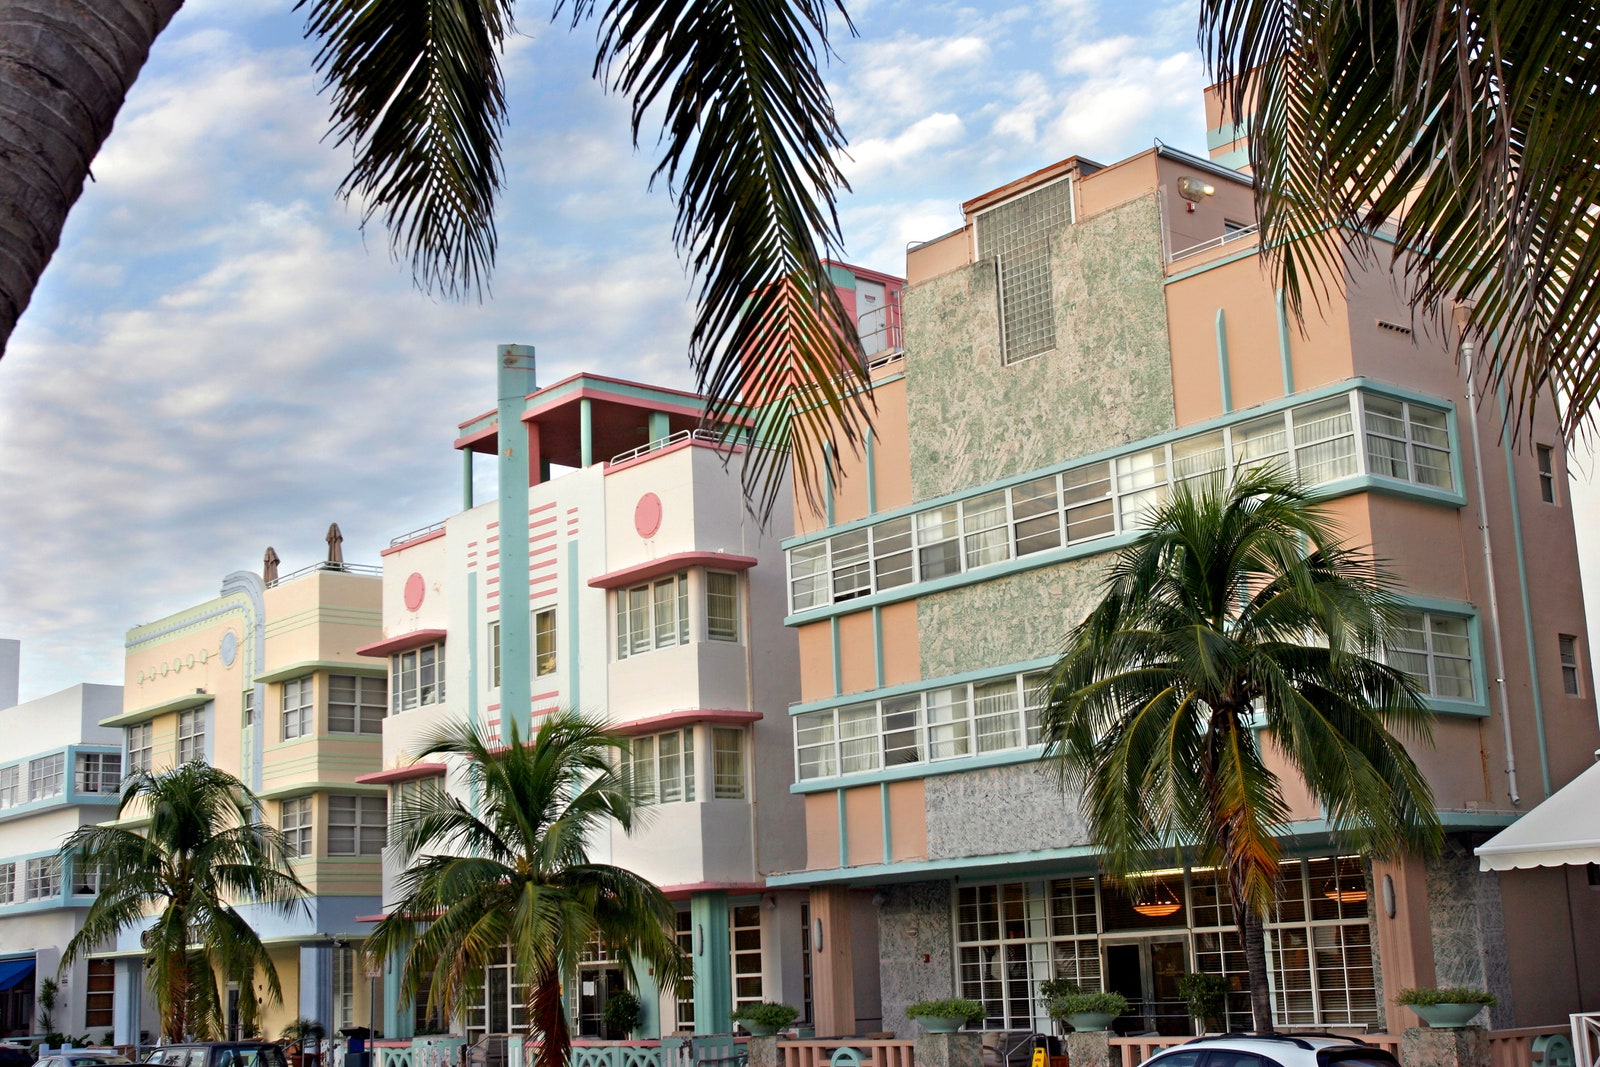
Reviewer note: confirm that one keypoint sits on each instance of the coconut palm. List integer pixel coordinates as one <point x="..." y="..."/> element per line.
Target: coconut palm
<point x="1222" y="646"/>
<point x="1470" y="126"/>
<point x="198" y="854"/>
<point x="748" y="141"/>
<point x="515" y="872"/>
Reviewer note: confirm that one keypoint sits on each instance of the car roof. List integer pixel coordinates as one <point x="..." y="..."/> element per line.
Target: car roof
<point x="1271" y="1045"/>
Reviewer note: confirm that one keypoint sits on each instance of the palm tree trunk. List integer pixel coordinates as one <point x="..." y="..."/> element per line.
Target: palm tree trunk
<point x="1253" y="936"/>
<point x="550" y="1020"/>
<point x="176" y="1022"/>
<point x="65" y="68"/>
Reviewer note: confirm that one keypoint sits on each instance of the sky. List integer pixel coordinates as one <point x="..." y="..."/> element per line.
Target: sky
<point x="219" y="359"/>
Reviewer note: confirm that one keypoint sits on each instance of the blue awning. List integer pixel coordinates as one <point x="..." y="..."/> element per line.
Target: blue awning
<point x="14" y="972"/>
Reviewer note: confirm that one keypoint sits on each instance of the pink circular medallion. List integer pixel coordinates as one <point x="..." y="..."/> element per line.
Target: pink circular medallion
<point x="647" y="515"/>
<point x="416" y="589"/>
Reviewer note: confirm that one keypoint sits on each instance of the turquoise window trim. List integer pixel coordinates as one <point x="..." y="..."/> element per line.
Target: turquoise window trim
<point x="844" y="828"/>
<point x="827" y="481"/>
<point x="1224" y="372"/>
<point x="983" y="674"/>
<point x="872" y="474"/>
<point x="1232" y="419"/>
<point x="838" y="665"/>
<point x="883" y="816"/>
<point x="877" y="647"/>
<point x="1218" y="136"/>
<point x="1478" y="707"/>
<point x="930" y="769"/>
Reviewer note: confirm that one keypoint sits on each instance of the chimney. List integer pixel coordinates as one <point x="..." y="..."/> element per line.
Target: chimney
<point x="10" y="671"/>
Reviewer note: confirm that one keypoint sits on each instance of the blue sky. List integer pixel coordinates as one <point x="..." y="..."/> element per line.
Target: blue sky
<point x="219" y="359"/>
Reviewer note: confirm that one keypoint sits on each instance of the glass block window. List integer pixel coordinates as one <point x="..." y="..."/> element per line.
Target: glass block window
<point x="356" y="704"/>
<point x="46" y="777"/>
<point x="357" y="826"/>
<point x="1016" y="234"/>
<point x="1436" y="650"/>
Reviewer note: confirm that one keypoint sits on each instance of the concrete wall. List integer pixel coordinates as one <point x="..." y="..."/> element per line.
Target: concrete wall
<point x="915" y="949"/>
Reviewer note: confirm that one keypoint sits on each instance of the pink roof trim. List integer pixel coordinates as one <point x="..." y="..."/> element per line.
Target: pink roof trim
<point x="676" y="892"/>
<point x="681" y="718"/>
<point x="390" y="645"/>
<point x="414" y="541"/>
<point x="654" y="568"/>
<point x="402" y="774"/>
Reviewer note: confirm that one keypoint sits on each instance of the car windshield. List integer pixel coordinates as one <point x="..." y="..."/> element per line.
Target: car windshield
<point x="270" y="1056"/>
<point x="93" y="1061"/>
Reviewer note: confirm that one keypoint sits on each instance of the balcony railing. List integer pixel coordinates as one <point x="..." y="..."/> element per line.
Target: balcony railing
<point x="1215" y="242"/>
<point x="326" y="565"/>
<point x="709" y="437"/>
<point x="423" y="531"/>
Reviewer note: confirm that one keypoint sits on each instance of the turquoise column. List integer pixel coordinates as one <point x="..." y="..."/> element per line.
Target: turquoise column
<point x="660" y="426"/>
<point x="644" y="986"/>
<point x="713" y="972"/>
<point x="1224" y="372"/>
<point x="585" y="433"/>
<point x="515" y="378"/>
<point x="398" y="1018"/>
<point x="466" y="479"/>
<point x="1285" y="357"/>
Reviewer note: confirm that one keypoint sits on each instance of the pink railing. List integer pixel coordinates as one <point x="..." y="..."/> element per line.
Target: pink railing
<point x="819" y="1053"/>
<point x="1514" y="1048"/>
<point x="1135" y="1050"/>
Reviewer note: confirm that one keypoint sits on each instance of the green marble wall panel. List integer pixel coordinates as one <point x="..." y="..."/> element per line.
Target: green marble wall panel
<point x="1107" y="382"/>
<point x="1010" y="619"/>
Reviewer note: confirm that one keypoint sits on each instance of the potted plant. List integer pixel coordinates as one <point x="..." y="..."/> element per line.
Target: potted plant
<point x="621" y="1015"/>
<point x="766" y="1018"/>
<point x="1205" y="995"/>
<point x="1446" y="1009"/>
<point x="1089" y="1011"/>
<point x="945" y="1016"/>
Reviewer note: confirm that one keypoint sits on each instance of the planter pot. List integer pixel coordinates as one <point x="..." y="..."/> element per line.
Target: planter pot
<point x="1447" y="1016"/>
<point x="937" y="1024"/>
<point x="1091" y="1020"/>
<point x="758" y="1029"/>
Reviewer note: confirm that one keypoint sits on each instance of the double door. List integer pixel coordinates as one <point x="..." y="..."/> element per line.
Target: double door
<point x="596" y="983"/>
<point x="1147" y="971"/>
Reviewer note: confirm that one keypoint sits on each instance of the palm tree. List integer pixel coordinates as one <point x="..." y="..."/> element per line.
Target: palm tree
<point x="1471" y="127"/>
<point x="748" y="150"/>
<point x="518" y="873"/>
<point x="1215" y="623"/>
<point x="200" y="853"/>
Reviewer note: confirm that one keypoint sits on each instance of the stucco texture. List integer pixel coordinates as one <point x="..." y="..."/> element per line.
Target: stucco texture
<point x="1019" y="807"/>
<point x="1018" y="617"/>
<point x="914" y="949"/>
<point x="1108" y="381"/>
<point x="1469" y="933"/>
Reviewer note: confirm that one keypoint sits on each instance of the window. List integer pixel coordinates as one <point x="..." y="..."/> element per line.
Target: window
<point x="344" y="987"/>
<point x="42" y="878"/>
<point x="1016" y="235"/>
<point x="1436" y="650"/>
<point x="997" y="715"/>
<point x="100" y="994"/>
<point x="416" y="678"/>
<point x="744" y="941"/>
<point x="297" y="707"/>
<point x="1409" y="442"/>
<point x="1325" y="441"/>
<point x="10" y="786"/>
<point x="141" y="746"/>
<point x="99" y="772"/>
<point x="294" y="820"/>
<point x="8" y="883"/>
<point x="727" y="764"/>
<point x="722" y="606"/>
<point x="662" y="766"/>
<point x="85" y="880"/>
<point x="683" y="933"/>
<point x="653" y="616"/>
<point x="424" y="1020"/>
<point x="46" y="777"/>
<point x="356" y="704"/>
<point x="1570" y="682"/>
<point x="544" y="642"/>
<point x="1547" y="473"/>
<point x="357" y="826"/>
<point x="248" y="707"/>
<point x="494" y="654"/>
<point x="192" y="734"/>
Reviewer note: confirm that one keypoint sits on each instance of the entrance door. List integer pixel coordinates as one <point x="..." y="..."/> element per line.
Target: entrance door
<point x="1147" y="971"/>
<point x="596" y="983"/>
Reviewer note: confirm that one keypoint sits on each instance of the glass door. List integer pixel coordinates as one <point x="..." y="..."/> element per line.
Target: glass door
<point x="1147" y="970"/>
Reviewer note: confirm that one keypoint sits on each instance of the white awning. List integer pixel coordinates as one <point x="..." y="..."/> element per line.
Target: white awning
<point x="1565" y="829"/>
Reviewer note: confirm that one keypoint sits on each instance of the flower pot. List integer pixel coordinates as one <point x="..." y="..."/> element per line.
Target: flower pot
<point x="1447" y="1016"/>
<point x="758" y="1029"/>
<point x="939" y="1024"/>
<point x="1091" y="1020"/>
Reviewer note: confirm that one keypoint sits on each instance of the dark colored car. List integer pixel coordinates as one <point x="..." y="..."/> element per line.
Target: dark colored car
<point x="219" y="1054"/>
<point x="15" y="1056"/>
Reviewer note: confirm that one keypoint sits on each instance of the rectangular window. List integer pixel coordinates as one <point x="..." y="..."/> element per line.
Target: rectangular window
<point x="808" y="571"/>
<point x="891" y="554"/>
<point x="192" y="734"/>
<point x="544" y="642"/>
<point x="1201" y="462"/>
<point x="357" y="826"/>
<point x="85" y="880"/>
<point x="294" y="820"/>
<point x="849" y="557"/>
<point x="653" y="616"/>
<point x="99" y="772"/>
<point x="1325" y="441"/>
<point x="141" y="746"/>
<point x="1436" y="650"/>
<point x="1141" y="485"/>
<point x="1036" y="515"/>
<point x="722" y="606"/>
<point x="1547" y="472"/>
<point x="683" y="933"/>
<point x="8" y="883"/>
<point x="344" y="987"/>
<point x="42" y="878"/>
<point x="1571" y="684"/>
<point x="858" y="738"/>
<point x="938" y="542"/>
<point x="10" y="786"/>
<point x="816" y="754"/>
<point x="744" y="941"/>
<point x="297" y="708"/>
<point x="985" y="534"/>
<point x="662" y="766"/>
<point x="727" y="752"/>
<point x="99" y="996"/>
<point x="416" y="678"/>
<point x="249" y="707"/>
<point x="46" y="777"/>
<point x="356" y="704"/>
<point x="493" y="645"/>
<point x="1408" y="441"/>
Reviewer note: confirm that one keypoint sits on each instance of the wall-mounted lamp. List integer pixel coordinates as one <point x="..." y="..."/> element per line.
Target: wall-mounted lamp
<point x="1388" y="896"/>
<point x="1194" y="190"/>
<point x="816" y="935"/>
<point x="699" y="939"/>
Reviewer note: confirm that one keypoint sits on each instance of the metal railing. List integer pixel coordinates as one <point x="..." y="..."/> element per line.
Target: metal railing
<point x="710" y="437"/>
<point x="1215" y="242"/>
<point x="1586" y="1038"/>
<point x="432" y="527"/>
<point x="325" y="565"/>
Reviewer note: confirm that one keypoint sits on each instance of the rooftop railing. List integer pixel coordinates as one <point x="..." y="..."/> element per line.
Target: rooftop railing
<point x="1215" y="242"/>
<point x="326" y="565"/>
<point x="710" y="437"/>
<point x="424" y="531"/>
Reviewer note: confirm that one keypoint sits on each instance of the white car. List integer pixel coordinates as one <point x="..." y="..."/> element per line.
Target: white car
<point x="1277" y="1050"/>
<point x="80" y="1057"/>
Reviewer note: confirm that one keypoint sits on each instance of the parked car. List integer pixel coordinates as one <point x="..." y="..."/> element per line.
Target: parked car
<point x="218" y="1054"/>
<point x="15" y="1055"/>
<point x="82" y="1057"/>
<point x="1276" y="1050"/>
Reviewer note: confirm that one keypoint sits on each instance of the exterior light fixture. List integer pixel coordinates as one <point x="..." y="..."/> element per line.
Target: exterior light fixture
<point x="1160" y="903"/>
<point x="1194" y="190"/>
<point x="1350" y="892"/>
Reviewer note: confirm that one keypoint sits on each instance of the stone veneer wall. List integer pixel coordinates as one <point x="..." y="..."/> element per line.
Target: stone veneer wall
<point x="1107" y="382"/>
<point x="1005" y="620"/>
<point x="915" y="949"/>
<point x="1019" y="807"/>
<point x="1469" y="927"/>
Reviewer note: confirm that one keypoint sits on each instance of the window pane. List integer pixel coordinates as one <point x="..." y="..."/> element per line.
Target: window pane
<point x="1324" y="437"/>
<point x="902" y="731"/>
<point x="1199" y="462"/>
<point x="1035" y="508"/>
<point x="665" y="595"/>
<point x="994" y="706"/>
<point x="1141" y="484"/>
<point x="947" y="722"/>
<point x="544" y="643"/>
<point x="983" y="526"/>
<point x="807" y="571"/>
<point x="852" y="571"/>
<point x="722" y="606"/>
<point x="891" y="552"/>
<point x="814" y="744"/>
<point x="858" y="738"/>
<point x="727" y="752"/>
<point x="939" y="553"/>
<point x="1086" y="495"/>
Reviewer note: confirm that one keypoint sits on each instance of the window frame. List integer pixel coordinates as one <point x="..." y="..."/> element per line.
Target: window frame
<point x="1477" y="675"/>
<point x="47" y="776"/>
<point x="364" y="828"/>
<point x="1545" y="460"/>
<point x="140" y="743"/>
<point x="13" y="789"/>
<point x="656" y="766"/>
<point x="492" y="646"/>
<point x="8" y="882"/>
<point x="1571" y="659"/>
<point x="299" y="834"/>
<point x="41" y="878"/>
<point x="730" y="743"/>
<point x="299" y="719"/>
<point x="726" y="628"/>
<point x="90" y="770"/>
<point x="544" y="642"/>
<point x="192" y="734"/>
<point x="362" y="708"/>
<point x="652" y="615"/>
<point x="407" y="689"/>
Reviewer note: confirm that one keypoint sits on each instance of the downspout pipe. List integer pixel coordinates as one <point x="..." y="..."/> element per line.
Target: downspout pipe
<point x="1468" y="354"/>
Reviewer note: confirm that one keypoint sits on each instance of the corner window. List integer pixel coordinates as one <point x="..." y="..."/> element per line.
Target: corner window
<point x="10" y="786"/>
<point x="1547" y="473"/>
<point x="653" y="616"/>
<point x="192" y="734"/>
<point x="42" y="878"/>
<point x="85" y="880"/>
<point x="722" y="606"/>
<point x="46" y="777"/>
<point x="294" y="820"/>
<point x="1571" y="682"/>
<point x="727" y="763"/>
<point x="1409" y="442"/>
<point x="99" y="772"/>
<point x="141" y="746"/>
<point x="1436" y="650"/>
<point x="297" y="699"/>
<point x="544" y="642"/>
<point x="662" y="766"/>
<point x="356" y="704"/>
<point x="416" y="678"/>
<point x="357" y="826"/>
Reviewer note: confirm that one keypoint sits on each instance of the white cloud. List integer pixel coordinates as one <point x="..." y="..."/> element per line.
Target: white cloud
<point x="905" y="149"/>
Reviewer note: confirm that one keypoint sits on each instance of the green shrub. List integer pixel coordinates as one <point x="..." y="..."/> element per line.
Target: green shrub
<point x="767" y="1013"/>
<point x="1055" y="988"/>
<point x="1204" y="994"/>
<point x="1088" y="1004"/>
<point x="953" y="1008"/>
<point x="1426" y="996"/>
<point x="622" y="1013"/>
